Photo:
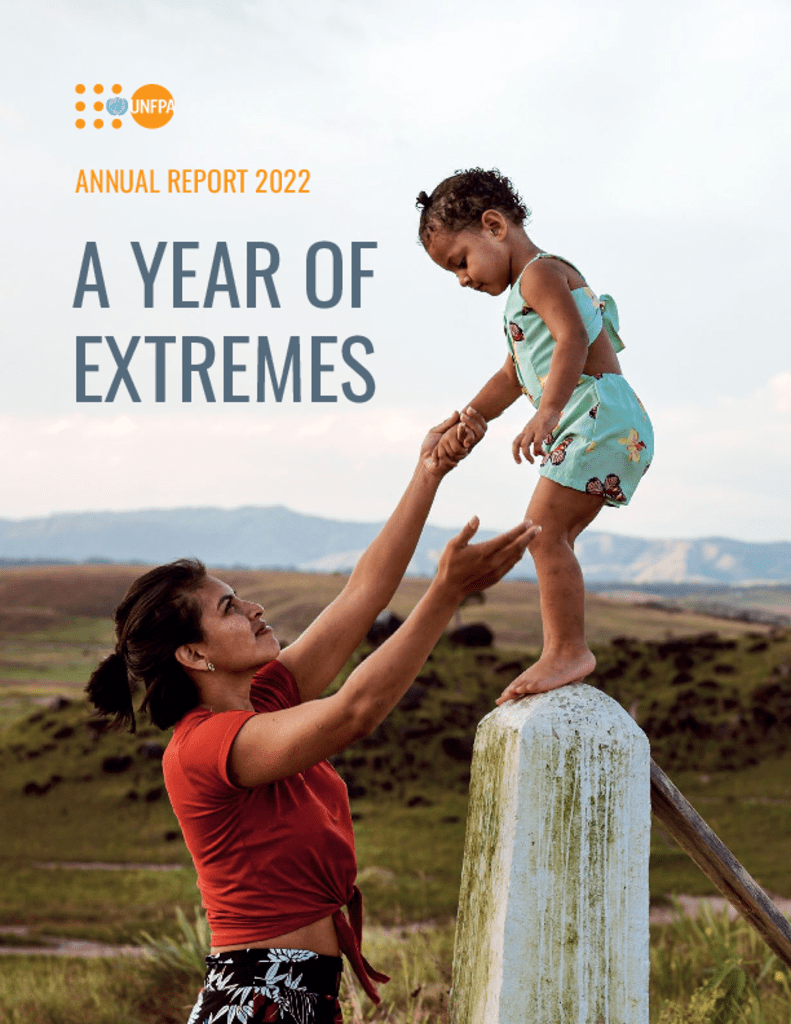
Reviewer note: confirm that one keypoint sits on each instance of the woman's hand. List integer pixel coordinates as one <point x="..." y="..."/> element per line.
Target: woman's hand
<point x="452" y="440"/>
<point x="535" y="436"/>
<point x="465" y="568"/>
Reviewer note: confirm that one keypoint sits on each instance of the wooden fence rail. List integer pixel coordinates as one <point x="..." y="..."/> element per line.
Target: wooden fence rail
<point x="717" y="862"/>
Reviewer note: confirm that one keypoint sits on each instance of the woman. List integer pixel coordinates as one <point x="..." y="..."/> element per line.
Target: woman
<point x="265" y="817"/>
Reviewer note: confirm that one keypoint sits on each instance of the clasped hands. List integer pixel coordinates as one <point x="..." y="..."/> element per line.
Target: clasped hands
<point x="452" y="440"/>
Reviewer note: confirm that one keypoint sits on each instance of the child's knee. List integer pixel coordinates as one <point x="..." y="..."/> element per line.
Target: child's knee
<point x="548" y="539"/>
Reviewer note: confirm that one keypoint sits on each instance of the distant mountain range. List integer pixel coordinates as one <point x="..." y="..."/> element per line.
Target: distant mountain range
<point x="276" y="537"/>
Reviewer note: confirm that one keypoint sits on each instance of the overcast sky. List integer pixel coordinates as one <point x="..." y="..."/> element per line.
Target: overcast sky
<point x="651" y="142"/>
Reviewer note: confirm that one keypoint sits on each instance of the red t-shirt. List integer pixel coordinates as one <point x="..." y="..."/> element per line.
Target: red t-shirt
<point x="270" y="859"/>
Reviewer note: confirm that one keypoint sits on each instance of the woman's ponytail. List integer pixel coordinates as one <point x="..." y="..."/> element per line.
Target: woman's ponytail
<point x="110" y="693"/>
<point x="159" y="614"/>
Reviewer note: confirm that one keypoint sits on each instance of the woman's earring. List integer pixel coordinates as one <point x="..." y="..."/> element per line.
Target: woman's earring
<point x="210" y="666"/>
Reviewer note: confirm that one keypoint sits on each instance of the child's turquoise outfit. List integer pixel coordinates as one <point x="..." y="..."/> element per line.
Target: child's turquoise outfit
<point x="604" y="441"/>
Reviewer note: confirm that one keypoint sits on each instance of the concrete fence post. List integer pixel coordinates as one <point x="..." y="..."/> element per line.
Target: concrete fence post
<point x="553" y="909"/>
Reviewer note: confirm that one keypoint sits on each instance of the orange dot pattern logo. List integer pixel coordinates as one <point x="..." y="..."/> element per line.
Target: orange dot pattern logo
<point x="152" y="106"/>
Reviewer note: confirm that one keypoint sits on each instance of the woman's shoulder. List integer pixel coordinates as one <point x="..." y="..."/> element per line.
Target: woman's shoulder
<point x="200" y="726"/>
<point x="202" y="739"/>
<point x="196" y="759"/>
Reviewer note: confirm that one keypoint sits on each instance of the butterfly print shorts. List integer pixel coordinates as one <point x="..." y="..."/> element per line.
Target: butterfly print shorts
<point x="264" y="986"/>
<point x="604" y="442"/>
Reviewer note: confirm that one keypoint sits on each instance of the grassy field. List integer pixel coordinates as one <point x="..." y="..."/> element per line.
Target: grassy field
<point x="713" y="696"/>
<point x="709" y="971"/>
<point x="73" y="604"/>
<point x="773" y="600"/>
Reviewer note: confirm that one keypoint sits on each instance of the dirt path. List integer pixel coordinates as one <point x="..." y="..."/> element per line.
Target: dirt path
<point x="52" y="946"/>
<point x="691" y="906"/>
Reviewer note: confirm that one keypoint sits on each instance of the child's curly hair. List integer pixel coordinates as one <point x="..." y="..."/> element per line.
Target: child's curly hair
<point x="460" y="200"/>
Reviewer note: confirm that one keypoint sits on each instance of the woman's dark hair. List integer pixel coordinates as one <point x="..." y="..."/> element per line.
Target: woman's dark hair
<point x="159" y="613"/>
<point x="461" y="200"/>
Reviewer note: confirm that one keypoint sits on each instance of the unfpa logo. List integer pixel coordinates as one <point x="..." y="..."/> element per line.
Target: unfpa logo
<point x="151" y="106"/>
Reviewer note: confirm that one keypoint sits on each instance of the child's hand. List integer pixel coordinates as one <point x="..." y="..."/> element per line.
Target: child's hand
<point x="535" y="435"/>
<point x="443" y="447"/>
<point x="471" y="428"/>
<point x="457" y="443"/>
<point x="451" y="450"/>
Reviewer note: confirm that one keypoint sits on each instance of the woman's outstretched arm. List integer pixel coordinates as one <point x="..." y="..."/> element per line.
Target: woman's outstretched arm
<point x="281" y="743"/>
<point x="317" y="656"/>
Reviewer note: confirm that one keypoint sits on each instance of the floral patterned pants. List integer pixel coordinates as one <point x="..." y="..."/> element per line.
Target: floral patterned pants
<point x="604" y="442"/>
<point x="259" y="986"/>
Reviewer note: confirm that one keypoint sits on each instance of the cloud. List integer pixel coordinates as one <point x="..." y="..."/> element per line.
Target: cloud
<point x="338" y="464"/>
<point x="780" y="392"/>
<point x="12" y="116"/>
<point x="719" y="470"/>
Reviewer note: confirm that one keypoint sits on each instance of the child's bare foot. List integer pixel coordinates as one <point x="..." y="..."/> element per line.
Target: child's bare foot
<point x="548" y="673"/>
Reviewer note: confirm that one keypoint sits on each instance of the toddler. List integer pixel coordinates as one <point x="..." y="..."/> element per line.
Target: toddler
<point x="589" y="429"/>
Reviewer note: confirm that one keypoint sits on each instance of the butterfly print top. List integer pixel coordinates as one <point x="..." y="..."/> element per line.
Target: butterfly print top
<point x="529" y="339"/>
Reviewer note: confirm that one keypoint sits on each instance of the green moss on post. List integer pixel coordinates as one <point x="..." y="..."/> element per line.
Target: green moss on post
<point x="553" y="911"/>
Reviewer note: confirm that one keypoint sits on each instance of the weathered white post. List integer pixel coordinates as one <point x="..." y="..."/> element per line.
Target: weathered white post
<point x="553" y="910"/>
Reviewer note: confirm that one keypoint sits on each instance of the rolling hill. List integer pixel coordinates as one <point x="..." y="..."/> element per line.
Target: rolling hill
<point x="276" y="537"/>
